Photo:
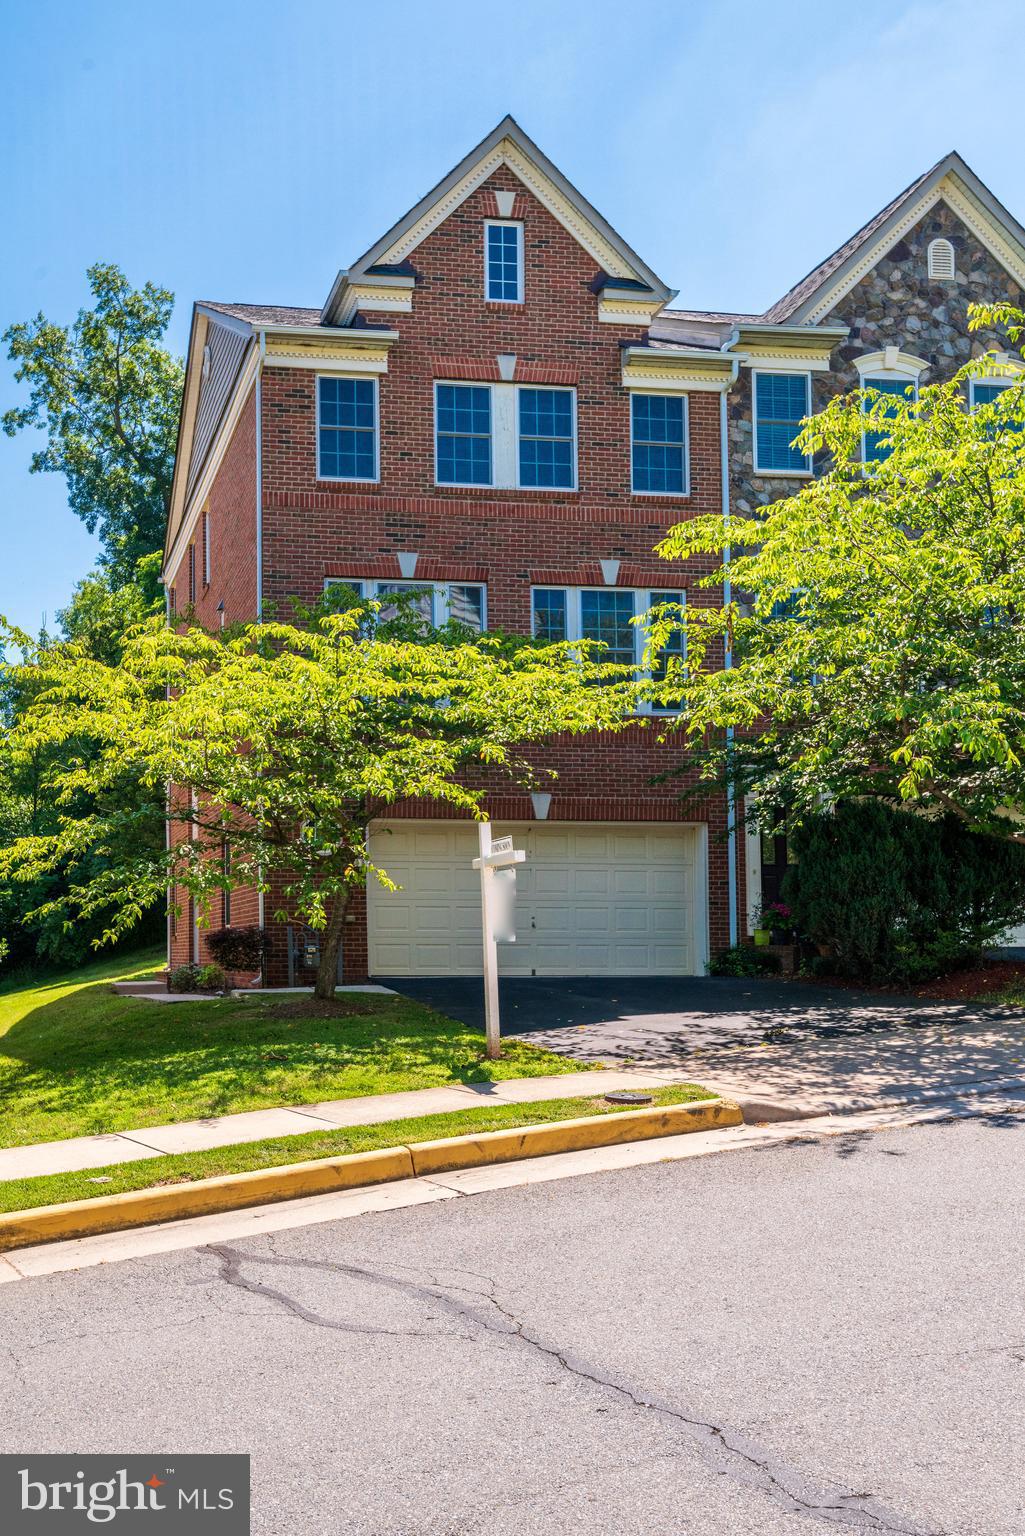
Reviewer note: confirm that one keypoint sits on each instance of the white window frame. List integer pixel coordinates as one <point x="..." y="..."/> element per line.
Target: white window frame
<point x="490" y="224"/>
<point x="783" y="474"/>
<point x="206" y="549"/>
<point x="642" y="603"/>
<point x="1001" y="381"/>
<point x="549" y="490"/>
<point x="662" y="394"/>
<point x="353" y="479"/>
<point x="441" y="602"/>
<point x="902" y="369"/>
<point x="505" y="439"/>
<point x="465" y="485"/>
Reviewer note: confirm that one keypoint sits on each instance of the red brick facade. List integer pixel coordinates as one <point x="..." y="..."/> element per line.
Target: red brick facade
<point x="507" y="539"/>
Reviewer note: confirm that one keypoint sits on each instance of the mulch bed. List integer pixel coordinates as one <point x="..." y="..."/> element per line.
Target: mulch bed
<point x="994" y="976"/>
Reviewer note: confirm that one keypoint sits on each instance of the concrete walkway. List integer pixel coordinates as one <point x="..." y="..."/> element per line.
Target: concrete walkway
<point x="81" y="1152"/>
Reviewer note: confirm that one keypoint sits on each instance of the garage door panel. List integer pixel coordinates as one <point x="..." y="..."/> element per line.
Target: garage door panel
<point x="591" y="900"/>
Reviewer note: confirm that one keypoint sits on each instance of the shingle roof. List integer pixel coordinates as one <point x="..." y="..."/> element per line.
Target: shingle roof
<point x="265" y="314"/>
<point x="792" y="301"/>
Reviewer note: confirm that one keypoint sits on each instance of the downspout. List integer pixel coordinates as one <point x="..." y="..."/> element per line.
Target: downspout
<point x="167" y="795"/>
<point x="259" y="476"/>
<point x="727" y="597"/>
<point x="261" y="914"/>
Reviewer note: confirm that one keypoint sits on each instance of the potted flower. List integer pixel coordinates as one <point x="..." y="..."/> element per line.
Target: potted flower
<point x="780" y="921"/>
<point x="774" y="924"/>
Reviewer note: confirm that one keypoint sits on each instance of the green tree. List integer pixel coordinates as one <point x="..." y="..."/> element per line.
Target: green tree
<point x="107" y="394"/>
<point x="287" y="741"/>
<point x="882" y="649"/>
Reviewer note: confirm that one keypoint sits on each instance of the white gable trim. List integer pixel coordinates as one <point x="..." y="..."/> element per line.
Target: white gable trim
<point x="969" y="211"/>
<point x="534" y="181"/>
<point x="507" y="145"/>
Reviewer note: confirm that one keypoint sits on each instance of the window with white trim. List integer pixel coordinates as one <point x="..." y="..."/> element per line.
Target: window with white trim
<point x="875" y="446"/>
<point x="435" y="601"/>
<point x="346" y="428"/>
<point x="606" y="614"/>
<point x="511" y="436"/>
<point x="658" y="444"/>
<point x="781" y="402"/>
<point x="206" y="549"/>
<point x="988" y="391"/>
<point x="546" y="438"/>
<point x="940" y="260"/>
<point x="503" y="262"/>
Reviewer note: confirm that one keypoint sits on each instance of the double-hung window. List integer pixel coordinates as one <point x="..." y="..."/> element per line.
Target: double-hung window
<point x="505" y="435"/>
<point x="435" y="602"/>
<point x="605" y="614"/>
<point x="463" y="434"/>
<point x="781" y="402"/>
<point x="503" y="263"/>
<point x="875" y="446"/>
<point x="546" y="438"/>
<point x="346" y="428"/>
<point x="658" y="444"/>
<point x="674" y="646"/>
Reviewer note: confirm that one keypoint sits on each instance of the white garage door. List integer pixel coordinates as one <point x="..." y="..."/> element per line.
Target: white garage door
<point x="591" y="900"/>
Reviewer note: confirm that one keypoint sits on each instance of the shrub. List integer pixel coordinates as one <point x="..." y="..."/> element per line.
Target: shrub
<point x="238" y="949"/>
<point x="744" y="960"/>
<point x="184" y="978"/>
<point x="900" y="897"/>
<point x="211" y="978"/>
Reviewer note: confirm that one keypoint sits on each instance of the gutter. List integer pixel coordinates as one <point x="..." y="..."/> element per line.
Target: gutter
<point x="261" y="912"/>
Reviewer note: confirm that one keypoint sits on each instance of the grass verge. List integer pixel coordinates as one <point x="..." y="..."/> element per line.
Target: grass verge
<point x="185" y="1167"/>
<point x="77" y="1059"/>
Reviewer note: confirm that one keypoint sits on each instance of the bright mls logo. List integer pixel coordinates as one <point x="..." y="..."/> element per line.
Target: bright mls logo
<point x="50" y="1495"/>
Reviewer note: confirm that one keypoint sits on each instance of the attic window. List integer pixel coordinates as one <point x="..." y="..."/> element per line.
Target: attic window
<point x="206" y="362"/>
<point x="941" y="259"/>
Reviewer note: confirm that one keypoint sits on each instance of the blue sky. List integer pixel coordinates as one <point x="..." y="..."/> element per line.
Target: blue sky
<point x="241" y="149"/>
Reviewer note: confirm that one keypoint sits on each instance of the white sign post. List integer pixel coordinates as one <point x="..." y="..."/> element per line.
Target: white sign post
<point x="497" y="865"/>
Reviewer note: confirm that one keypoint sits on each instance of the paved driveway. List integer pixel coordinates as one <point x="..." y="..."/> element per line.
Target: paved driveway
<point x="778" y="1040"/>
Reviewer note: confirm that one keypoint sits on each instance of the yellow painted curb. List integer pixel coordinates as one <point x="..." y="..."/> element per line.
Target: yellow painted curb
<point x="234" y="1191"/>
<point x="572" y="1135"/>
<point x="229" y="1192"/>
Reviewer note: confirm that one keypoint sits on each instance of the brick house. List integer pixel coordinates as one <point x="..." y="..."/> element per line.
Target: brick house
<point x="497" y="406"/>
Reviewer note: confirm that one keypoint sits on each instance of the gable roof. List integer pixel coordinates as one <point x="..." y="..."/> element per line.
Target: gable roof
<point x="951" y="180"/>
<point x="505" y="144"/>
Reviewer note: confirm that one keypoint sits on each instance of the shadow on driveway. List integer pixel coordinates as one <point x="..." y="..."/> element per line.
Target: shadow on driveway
<point x="786" y="1038"/>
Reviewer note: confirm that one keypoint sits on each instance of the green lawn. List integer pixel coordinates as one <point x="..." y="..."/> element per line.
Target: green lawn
<point x="76" y="1059"/>
<point x="23" y="1194"/>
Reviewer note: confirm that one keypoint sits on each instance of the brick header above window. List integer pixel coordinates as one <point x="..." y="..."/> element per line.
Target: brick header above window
<point x="486" y="371"/>
<point x="386" y="568"/>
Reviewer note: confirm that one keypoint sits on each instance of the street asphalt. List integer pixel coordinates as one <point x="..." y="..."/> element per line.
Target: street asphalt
<point x="819" y="1336"/>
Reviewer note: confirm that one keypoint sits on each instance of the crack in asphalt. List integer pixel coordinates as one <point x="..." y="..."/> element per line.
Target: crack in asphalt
<point x="760" y="1469"/>
<point x="231" y="1274"/>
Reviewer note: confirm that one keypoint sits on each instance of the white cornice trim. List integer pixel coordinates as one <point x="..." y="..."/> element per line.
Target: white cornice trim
<point x="798" y="361"/>
<point x="678" y="372"/>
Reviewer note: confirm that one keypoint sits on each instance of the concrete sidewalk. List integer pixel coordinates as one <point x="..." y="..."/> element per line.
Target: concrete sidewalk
<point x="81" y="1152"/>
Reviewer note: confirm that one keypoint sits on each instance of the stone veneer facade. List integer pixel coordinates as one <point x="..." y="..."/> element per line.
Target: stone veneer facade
<point x="895" y="304"/>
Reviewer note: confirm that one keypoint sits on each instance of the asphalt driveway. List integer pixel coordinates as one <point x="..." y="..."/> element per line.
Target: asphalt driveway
<point x="825" y="1046"/>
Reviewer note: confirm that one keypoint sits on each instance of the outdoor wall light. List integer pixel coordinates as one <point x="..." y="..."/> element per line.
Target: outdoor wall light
<point x="541" y="800"/>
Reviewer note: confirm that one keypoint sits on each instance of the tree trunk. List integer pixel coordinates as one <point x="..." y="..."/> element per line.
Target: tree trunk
<point x="330" y="944"/>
